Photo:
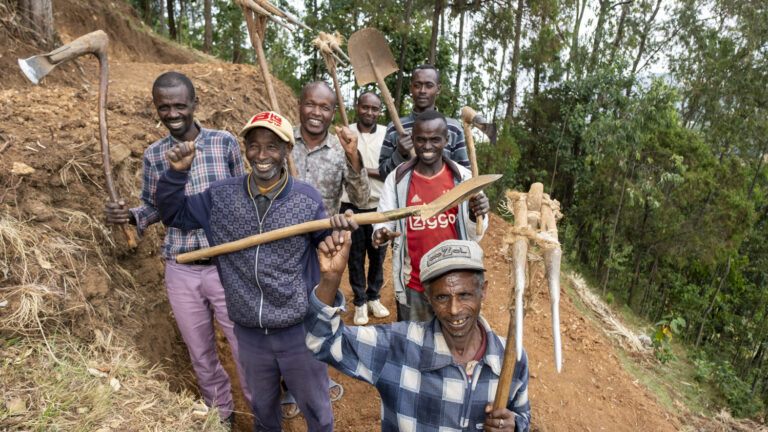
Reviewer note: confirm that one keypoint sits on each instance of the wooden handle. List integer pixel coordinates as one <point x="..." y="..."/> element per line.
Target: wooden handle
<point x="95" y="42"/>
<point x="388" y="101"/>
<point x="473" y="164"/>
<point x="130" y="237"/>
<point x="256" y="42"/>
<point x="507" y="369"/>
<point x="332" y="69"/>
<point x="280" y="233"/>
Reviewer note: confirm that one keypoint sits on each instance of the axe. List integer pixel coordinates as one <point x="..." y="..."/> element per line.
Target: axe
<point x="460" y="193"/>
<point x="36" y="67"/>
<point x="469" y="117"/>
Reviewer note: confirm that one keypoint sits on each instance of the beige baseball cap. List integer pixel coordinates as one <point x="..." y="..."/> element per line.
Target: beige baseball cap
<point x="272" y="121"/>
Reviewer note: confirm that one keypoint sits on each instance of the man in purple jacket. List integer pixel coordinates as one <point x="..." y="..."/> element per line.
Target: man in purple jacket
<point x="267" y="286"/>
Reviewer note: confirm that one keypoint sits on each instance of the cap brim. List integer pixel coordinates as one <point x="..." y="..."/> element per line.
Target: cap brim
<point x="449" y="269"/>
<point x="274" y="129"/>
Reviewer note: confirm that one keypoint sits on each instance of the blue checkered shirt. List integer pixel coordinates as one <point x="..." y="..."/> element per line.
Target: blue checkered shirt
<point x="217" y="157"/>
<point x="422" y="388"/>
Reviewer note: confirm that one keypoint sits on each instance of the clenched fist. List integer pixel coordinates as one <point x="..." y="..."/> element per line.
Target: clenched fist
<point x="181" y="155"/>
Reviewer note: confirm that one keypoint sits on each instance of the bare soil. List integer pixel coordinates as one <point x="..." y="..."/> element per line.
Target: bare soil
<point x="53" y="128"/>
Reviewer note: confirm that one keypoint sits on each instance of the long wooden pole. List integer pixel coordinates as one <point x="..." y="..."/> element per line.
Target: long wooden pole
<point x="253" y="32"/>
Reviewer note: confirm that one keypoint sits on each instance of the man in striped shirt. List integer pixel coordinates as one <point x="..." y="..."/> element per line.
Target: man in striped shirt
<point x="425" y="86"/>
<point x="194" y="289"/>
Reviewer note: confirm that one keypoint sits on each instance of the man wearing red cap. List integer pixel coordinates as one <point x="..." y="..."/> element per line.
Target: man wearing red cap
<point x="267" y="286"/>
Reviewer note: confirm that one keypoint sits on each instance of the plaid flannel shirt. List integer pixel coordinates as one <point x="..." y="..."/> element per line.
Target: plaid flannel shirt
<point x="217" y="157"/>
<point x="422" y="388"/>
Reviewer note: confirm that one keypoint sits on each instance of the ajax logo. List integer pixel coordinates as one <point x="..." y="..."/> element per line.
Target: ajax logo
<point x="443" y="220"/>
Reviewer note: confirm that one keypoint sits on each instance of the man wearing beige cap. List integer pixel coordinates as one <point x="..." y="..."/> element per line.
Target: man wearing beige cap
<point x="267" y="286"/>
<point x="434" y="375"/>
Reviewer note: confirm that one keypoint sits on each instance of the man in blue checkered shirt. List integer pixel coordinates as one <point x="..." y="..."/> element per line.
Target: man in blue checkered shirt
<point x="435" y="376"/>
<point x="194" y="289"/>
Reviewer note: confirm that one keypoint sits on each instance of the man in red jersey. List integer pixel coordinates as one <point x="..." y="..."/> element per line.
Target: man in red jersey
<point x="420" y="181"/>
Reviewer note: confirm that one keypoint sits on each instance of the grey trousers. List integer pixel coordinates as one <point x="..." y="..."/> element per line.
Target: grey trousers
<point x="417" y="309"/>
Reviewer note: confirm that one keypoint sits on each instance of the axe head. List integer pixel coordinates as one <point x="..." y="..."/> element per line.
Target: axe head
<point x="488" y="128"/>
<point x="470" y="116"/>
<point x="36" y="67"/>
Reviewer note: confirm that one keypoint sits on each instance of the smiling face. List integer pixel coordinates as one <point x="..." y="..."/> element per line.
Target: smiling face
<point x="266" y="153"/>
<point x="456" y="298"/>
<point x="176" y="109"/>
<point x="368" y="110"/>
<point x="424" y="89"/>
<point x="316" y="109"/>
<point x="429" y="139"/>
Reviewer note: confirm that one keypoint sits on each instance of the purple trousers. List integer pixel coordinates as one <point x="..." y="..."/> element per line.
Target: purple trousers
<point x="267" y="355"/>
<point x="196" y="297"/>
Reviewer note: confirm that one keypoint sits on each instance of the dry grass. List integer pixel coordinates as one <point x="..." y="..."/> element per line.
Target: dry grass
<point x="100" y="387"/>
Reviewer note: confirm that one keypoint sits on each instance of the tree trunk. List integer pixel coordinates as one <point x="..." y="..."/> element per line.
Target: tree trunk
<point x="574" y="54"/>
<point x="607" y="273"/>
<point x="237" y="56"/>
<point x="712" y="303"/>
<point x="638" y="258"/>
<point x="435" y="31"/>
<point x="182" y="14"/>
<point x="619" y="31"/>
<point x="171" y="20"/>
<point x="148" y="12"/>
<point x="401" y="62"/>
<point x="604" y="6"/>
<point x="498" y="80"/>
<point x="208" y="32"/>
<point x="512" y="94"/>
<point x="38" y="15"/>
<point x="457" y="86"/>
<point x="643" y="39"/>
<point x="162" y="19"/>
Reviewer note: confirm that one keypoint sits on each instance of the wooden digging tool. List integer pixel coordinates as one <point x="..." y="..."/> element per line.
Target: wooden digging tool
<point x="453" y="197"/>
<point x="550" y="212"/>
<point x="469" y="117"/>
<point x="517" y="274"/>
<point x="96" y="43"/>
<point x="372" y="60"/>
<point x="256" y="26"/>
<point x="323" y="43"/>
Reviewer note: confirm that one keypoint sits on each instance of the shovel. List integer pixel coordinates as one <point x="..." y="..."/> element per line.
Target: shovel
<point x="372" y="60"/>
<point x="460" y="193"/>
<point x="36" y="67"/>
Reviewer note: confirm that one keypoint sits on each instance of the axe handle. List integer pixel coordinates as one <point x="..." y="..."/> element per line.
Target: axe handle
<point x="95" y="42"/>
<point x="473" y="163"/>
<point x="256" y="42"/>
<point x="388" y="101"/>
<point x="281" y="233"/>
<point x="100" y="41"/>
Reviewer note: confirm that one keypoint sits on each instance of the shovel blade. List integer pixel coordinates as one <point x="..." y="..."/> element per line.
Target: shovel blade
<point x="363" y="43"/>
<point x="460" y="193"/>
<point x="36" y="67"/>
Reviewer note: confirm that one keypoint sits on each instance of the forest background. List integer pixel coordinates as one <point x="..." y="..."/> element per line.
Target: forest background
<point x="647" y="119"/>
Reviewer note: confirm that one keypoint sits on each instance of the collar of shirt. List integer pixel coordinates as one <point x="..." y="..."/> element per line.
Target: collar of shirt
<point x="272" y="193"/>
<point x="200" y="139"/>
<point x="373" y="130"/>
<point x="439" y="356"/>
<point x="299" y="140"/>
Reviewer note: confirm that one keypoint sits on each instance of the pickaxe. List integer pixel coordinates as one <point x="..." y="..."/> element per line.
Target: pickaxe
<point x="252" y="13"/>
<point x="326" y="43"/>
<point x="453" y="197"/>
<point x="469" y="117"/>
<point x="36" y="67"/>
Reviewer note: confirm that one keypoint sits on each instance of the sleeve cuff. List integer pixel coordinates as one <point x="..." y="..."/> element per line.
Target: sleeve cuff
<point x="325" y="311"/>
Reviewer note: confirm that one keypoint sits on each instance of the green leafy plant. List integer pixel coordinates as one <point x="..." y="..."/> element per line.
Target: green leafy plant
<point x="666" y="329"/>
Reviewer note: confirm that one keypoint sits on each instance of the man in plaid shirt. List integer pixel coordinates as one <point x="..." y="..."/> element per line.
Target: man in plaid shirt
<point x="436" y="376"/>
<point x="194" y="288"/>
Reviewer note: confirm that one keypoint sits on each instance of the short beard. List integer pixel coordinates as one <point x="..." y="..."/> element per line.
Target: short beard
<point x="265" y="176"/>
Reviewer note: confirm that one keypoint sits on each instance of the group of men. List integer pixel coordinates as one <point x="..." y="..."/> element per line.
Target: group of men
<point x="278" y="303"/>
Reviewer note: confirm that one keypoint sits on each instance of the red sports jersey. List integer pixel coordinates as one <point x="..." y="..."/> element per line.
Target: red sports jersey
<point x="423" y="236"/>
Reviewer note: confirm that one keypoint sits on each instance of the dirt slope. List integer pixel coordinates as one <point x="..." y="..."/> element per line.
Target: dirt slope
<point x="53" y="128"/>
